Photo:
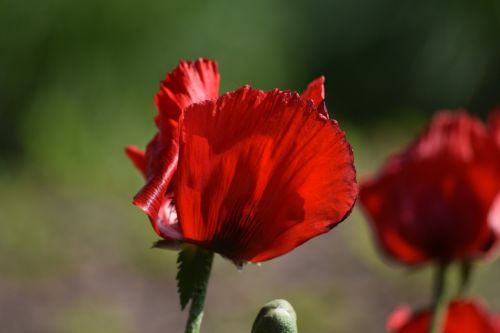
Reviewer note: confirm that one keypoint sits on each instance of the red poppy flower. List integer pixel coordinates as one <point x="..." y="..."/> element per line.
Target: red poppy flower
<point x="434" y="200"/>
<point x="463" y="316"/>
<point x="251" y="174"/>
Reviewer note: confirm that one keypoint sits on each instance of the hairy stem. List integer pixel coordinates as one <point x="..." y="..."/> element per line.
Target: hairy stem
<point x="198" y="301"/>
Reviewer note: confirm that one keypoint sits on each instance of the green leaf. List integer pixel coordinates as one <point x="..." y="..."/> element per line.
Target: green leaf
<point x="194" y="264"/>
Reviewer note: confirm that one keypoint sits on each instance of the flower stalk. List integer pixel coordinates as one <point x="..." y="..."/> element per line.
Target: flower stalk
<point x="439" y="303"/>
<point x="196" y="310"/>
<point x="466" y="270"/>
<point x="195" y="265"/>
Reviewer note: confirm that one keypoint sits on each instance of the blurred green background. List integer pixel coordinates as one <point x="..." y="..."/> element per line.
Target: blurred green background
<point x="77" y="80"/>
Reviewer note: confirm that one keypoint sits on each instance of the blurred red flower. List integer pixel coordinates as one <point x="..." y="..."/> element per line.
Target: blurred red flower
<point x="251" y="174"/>
<point x="494" y="123"/>
<point x="463" y="316"/>
<point x="435" y="200"/>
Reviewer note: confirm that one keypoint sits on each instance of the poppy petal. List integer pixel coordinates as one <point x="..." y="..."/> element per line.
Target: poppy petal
<point x="166" y="224"/>
<point x="138" y="157"/>
<point x="162" y="162"/>
<point x="190" y="82"/>
<point x="463" y="316"/>
<point x="274" y="174"/>
<point x="431" y="202"/>
<point x="316" y="93"/>
<point x="494" y="124"/>
<point x="373" y="195"/>
<point x="398" y="318"/>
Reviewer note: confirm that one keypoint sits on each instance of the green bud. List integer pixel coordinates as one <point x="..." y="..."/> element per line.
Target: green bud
<point x="277" y="316"/>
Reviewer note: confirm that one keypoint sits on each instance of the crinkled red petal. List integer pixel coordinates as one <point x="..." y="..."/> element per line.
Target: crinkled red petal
<point x="161" y="165"/>
<point x="316" y="93"/>
<point x="190" y="82"/>
<point x="260" y="173"/>
<point x="138" y="157"/>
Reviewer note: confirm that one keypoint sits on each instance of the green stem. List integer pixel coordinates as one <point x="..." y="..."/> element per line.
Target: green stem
<point x="439" y="303"/>
<point x="198" y="301"/>
<point x="466" y="269"/>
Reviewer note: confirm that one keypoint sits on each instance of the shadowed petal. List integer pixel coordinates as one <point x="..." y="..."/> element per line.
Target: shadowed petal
<point x="274" y="174"/>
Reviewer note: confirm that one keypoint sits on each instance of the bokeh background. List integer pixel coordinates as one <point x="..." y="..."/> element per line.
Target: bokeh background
<point x="77" y="80"/>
